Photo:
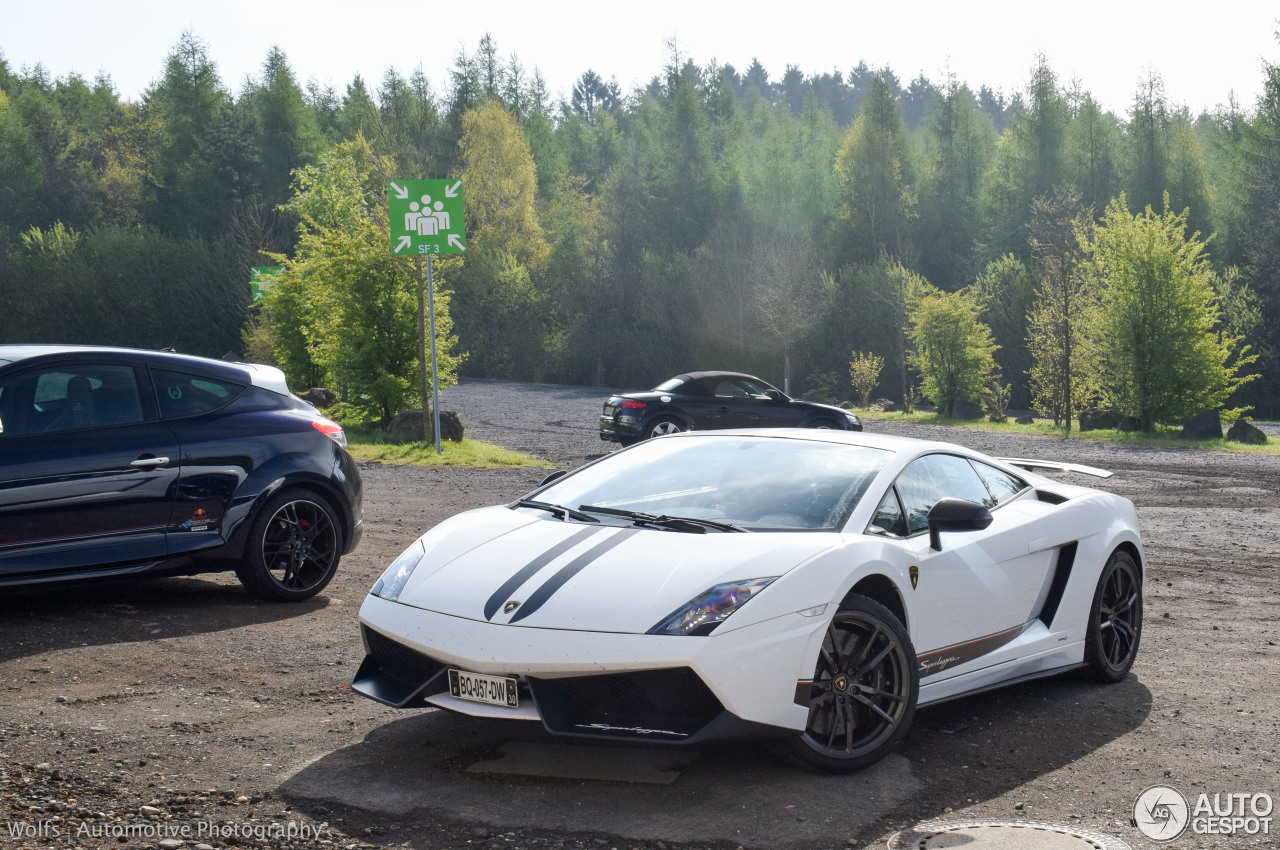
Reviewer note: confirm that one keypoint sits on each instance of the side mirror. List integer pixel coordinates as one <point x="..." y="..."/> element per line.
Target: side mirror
<point x="555" y="476"/>
<point x="955" y="515"/>
<point x="775" y="396"/>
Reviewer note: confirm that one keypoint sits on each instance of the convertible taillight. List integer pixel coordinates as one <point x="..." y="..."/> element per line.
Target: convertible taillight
<point x="330" y="429"/>
<point x="631" y="404"/>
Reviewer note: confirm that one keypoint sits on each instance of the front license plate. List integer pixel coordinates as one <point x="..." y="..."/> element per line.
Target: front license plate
<point x="477" y="687"/>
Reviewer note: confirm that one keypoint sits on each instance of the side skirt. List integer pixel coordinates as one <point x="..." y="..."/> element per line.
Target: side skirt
<point x="1029" y="677"/>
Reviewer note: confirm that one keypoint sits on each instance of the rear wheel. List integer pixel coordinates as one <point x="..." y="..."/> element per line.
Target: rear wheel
<point x="864" y="691"/>
<point x="293" y="547"/>
<point x="1115" y="619"/>
<point x="663" y="425"/>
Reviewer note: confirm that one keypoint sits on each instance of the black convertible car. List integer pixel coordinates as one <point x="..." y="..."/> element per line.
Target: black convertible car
<point x="119" y="462"/>
<point x="706" y="401"/>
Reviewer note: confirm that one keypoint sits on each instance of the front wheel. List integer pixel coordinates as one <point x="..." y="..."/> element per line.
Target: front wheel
<point x="825" y="425"/>
<point x="293" y="547"/>
<point x="1115" y="619"/>
<point x="863" y="693"/>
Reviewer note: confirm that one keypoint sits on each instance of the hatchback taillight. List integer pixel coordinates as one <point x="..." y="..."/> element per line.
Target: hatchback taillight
<point x="631" y="404"/>
<point x="330" y="429"/>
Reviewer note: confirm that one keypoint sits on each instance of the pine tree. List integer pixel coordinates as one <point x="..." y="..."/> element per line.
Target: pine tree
<point x="878" y="182"/>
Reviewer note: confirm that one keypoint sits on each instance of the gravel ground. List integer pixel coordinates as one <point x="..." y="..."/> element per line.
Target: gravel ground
<point x="129" y="710"/>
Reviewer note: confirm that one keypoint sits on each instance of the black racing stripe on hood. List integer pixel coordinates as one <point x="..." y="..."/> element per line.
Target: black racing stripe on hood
<point x="526" y="572"/>
<point x="557" y="581"/>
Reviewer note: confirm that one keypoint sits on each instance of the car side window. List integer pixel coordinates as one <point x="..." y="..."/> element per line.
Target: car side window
<point x="932" y="477"/>
<point x="730" y="389"/>
<point x="181" y="394"/>
<point x="69" y="398"/>
<point x="695" y="388"/>
<point x="1002" y="485"/>
<point x="888" y="518"/>
<point x="755" y="389"/>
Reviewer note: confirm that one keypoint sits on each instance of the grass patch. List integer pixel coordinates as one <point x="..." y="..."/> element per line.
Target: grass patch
<point x="370" y="444"/>
<point x="1162" y="436"/>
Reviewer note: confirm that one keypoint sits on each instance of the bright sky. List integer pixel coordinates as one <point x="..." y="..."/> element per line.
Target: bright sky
<point x="1203" y="52"/>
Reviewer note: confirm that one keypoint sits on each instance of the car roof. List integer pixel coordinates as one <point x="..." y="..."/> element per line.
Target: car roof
<point x="699" y="376"/>
<point x="267" y="377"/>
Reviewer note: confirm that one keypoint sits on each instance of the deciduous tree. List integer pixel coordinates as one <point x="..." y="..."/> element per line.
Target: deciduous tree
<point x="1165" y="357"/>
<point x="343" y="302"/>
<point x="952" y="348"/>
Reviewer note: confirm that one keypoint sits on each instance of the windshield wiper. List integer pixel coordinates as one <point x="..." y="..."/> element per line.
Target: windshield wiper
<point x="695" y="525"/>
<point x="557" y="511"/>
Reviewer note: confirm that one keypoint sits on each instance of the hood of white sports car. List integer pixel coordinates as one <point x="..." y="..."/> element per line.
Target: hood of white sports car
<point x="504" y="566"/>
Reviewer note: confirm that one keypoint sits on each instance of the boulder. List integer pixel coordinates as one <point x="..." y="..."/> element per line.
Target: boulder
<point x="963" y="409"/>
<point x="1246" y="432"/>
<point x="1205" y="425"/>
<point x="1097" y="418"/>
<point x="407" y="426"/>
<point x="318" y="396"/>
<point x="1025" y="420"/>
<point x="885" y="405"/>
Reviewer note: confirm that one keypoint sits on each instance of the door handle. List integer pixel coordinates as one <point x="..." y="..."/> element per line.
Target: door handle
<point x="149" y="462"/>
<point x="724" y="410"/>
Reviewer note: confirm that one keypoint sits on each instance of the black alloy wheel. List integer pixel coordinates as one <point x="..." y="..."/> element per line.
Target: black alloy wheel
<point x="1115" y="620"/>
<point x="864" y="691"/>
<point x="294" y="548"/>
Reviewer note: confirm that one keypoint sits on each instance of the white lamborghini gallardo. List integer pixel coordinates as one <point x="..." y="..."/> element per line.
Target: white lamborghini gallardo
<point x="807" y="587"/>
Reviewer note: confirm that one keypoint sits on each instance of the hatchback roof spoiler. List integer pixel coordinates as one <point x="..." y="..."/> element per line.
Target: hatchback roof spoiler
<point x="1026" y="463"/>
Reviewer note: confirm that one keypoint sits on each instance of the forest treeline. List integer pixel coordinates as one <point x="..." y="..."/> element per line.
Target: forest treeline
<point x="713" y="218"/>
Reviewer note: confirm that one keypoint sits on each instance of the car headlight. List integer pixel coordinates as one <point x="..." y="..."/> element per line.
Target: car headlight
<point x="708" y="610"/>
<point x="853" y="420"/>
<point x="397" y="575"/>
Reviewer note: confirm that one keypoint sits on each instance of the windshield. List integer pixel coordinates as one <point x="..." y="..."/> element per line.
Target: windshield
<point x="761" y="484"/>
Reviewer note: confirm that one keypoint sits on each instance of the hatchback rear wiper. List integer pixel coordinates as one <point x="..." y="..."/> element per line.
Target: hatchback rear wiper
<point x="695" y="525"/>
<point x="558" y="511"/>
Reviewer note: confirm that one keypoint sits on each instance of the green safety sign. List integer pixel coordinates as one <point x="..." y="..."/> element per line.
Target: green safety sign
<point x="426" y="217"/>
<point x="260" y="282"/>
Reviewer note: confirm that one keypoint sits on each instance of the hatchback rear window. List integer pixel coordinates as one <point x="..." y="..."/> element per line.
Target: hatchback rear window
<point x="181" y="394"/>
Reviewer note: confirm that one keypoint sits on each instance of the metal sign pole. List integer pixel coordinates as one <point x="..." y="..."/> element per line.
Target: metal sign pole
<point x="426" y="217"/>
<point x="422" y="350"/>
<point x="435" y="380"/>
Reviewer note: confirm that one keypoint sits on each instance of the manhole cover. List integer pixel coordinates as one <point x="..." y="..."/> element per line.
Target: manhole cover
<point x="990" y="834"/>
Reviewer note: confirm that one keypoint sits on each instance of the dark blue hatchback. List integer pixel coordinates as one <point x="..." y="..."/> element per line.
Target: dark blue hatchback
<point x="118" y="462"/>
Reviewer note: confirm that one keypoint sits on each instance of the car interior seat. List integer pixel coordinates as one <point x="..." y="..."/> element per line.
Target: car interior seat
<point x="77" y="409"/>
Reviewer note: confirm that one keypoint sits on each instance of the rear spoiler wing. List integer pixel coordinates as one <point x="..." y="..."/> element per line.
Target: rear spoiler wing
<point x="1025" y="463"/>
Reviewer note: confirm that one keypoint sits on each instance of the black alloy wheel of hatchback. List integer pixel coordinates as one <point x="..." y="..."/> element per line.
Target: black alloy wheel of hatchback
<point x="300" y="545"/>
